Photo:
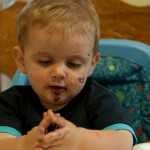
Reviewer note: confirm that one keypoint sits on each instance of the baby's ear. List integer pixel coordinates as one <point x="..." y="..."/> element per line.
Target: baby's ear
<point x="18" y="56"/>
<point x="95" y="60"/>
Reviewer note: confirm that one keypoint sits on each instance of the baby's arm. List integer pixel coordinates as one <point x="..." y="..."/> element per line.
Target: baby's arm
<point x="27" y="142"/>
<point x="31" y="140"/>
<point x="105" y="139"/>
<point x="8" y="142"/>
<point x="84" y="139"/>
<point x="66" y="136"/>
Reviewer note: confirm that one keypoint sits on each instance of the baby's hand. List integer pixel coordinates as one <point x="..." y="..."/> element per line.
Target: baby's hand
<point x="65" y="135"/>
<point x="35" y="136"/>
<point x="53" y="126"/>
<point x="53" y="138"/>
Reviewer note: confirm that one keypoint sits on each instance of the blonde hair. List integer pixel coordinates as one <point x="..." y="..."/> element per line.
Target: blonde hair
<point x="69" y="16"/>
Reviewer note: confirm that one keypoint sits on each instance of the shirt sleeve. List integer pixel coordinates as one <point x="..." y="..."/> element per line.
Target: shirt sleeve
<point x="122" y="126"/>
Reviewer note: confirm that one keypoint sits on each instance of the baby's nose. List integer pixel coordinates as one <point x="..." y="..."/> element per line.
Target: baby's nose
<point x="59" y="72"/>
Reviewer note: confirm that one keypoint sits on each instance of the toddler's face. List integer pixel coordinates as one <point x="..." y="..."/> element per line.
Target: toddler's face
<point x="58" y="66"/>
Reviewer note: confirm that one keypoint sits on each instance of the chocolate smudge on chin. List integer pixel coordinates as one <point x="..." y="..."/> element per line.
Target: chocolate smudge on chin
<point x="57" y="97"/>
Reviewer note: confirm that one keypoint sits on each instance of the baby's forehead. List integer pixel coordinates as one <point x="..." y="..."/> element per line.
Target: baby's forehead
<point x="55" y="38"/>
<point x="55" y="31"/>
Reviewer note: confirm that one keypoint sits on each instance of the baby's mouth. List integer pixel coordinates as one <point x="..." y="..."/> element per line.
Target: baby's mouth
<point x="57" y="89"/>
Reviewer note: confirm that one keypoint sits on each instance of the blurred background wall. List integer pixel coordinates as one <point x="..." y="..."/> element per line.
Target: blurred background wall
<point x="124" y="19"/>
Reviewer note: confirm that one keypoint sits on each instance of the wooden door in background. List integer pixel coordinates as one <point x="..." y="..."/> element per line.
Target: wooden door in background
<point x="121" y="20"/>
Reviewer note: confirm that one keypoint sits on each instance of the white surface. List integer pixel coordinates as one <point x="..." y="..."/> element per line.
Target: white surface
<point x="142" y="146"/>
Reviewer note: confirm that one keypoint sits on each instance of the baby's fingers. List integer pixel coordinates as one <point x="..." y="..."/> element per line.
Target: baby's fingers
<point x="57" y="134"/>
<point x="45" y="123"/>
<point x="59" y="121"/>
<point x="54" y="138"/>
<point x="50" y="113"/>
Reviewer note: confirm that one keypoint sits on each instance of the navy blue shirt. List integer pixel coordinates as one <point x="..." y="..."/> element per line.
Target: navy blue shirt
<point x="93" y="108"/>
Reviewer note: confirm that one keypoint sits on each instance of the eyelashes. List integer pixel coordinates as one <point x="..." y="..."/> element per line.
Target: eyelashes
<point x="68" y="64"/>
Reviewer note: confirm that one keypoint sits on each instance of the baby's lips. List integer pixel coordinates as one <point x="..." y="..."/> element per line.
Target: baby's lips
<point x="57" y="89"/>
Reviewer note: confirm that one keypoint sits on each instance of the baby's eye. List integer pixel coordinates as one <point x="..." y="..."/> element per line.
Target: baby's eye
<point x="44" y="62"/>
<point x="74" y="65"/>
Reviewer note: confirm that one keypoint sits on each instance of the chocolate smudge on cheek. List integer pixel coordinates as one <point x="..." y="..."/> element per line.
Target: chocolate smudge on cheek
<point x="81" y="79"/>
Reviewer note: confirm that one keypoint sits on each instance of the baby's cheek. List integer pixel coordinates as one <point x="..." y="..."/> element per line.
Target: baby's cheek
<point x="78" y="79"/>
<point x="81" y="79"/>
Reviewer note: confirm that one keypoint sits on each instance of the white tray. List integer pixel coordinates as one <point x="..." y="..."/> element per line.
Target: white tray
<point x="142" y="146"/>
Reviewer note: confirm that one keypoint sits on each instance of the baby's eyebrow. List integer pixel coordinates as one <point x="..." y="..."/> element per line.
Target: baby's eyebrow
<point x="40" y="53"/>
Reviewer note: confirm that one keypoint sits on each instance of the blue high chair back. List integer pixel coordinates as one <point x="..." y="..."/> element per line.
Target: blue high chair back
<point x="124" y="68"/>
